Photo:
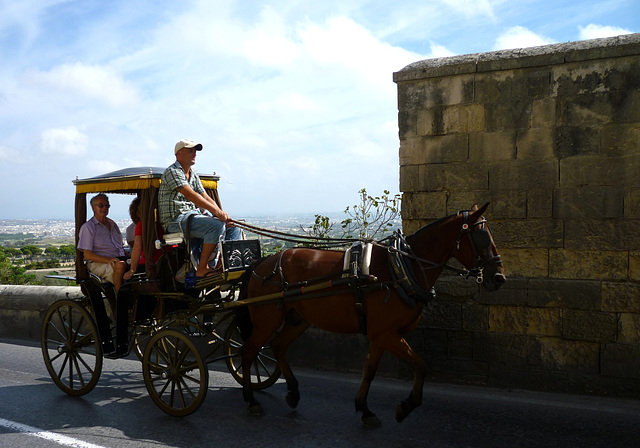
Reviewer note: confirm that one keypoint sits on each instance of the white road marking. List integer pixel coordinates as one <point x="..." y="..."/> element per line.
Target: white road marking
<point x="52" y="436"/>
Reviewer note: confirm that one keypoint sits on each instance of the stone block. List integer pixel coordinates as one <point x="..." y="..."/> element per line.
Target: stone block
<point x="409" y="178"/>
<point x="454" y="176"/>
<point x="574" y="294"/>
<point x="411" y="96"/>
<point x="621" y="361"/>
<point x="543" y="113"/>
<point x="407" y="124"/>
<point x="506" y="349"/>
<point x="634" y="265"/>
<point x="463" y="118"/>
<point x="509" y="204"/>
<point x="565" y="355"/>
<point x="464" y="200"/>
<point x="441" y="149"/>
<point x="571" y="141"/>
<point x="620" y="139"/>
<point x="588" y="201"/>
<point x="626" y="106"/>
<point x="475" y="317"/>
<point x="490" y="146"/>
<point x="524" y="320"/>
<point x="632" y="203"/>
<point x="540" y="203"/>
<point x="629" y="328"/>
<point x="599" y="170"/>
<point x="529" y="233"/>
<point x="512" y="293"/>
<point x="530" y="263"/>
<point x="523" y="175"/>
<point x="447" y="91"/>
<point x="621" y="297"/>
<point x="594" y="326"/>
<point x="583" y="264"/>
<point x="507" y="115"/>
<point x="443" y="315"/>
<point x="590" y="110"/>
<point x="429" y="122"/>
<point x="424" y="206"/>
<point x="535" y="144"/>
<point x="602" y="234"/>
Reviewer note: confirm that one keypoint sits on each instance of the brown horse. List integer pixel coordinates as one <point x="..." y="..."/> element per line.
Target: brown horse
<point x="385" y="305"/>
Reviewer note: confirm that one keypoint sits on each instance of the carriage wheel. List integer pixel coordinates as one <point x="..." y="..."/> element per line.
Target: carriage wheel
<point x="174" y="372"/>
<point x="71" y="347"/>
<point x="264" y="370"/>
<point x="140" y="339"/>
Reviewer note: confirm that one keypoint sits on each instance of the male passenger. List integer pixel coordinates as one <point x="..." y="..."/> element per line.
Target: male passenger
<point x="182" y="195"/>
<point x="101" y="242"/>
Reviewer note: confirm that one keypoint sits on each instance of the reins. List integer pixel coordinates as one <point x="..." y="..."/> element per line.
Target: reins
<point x="326" y="242"/>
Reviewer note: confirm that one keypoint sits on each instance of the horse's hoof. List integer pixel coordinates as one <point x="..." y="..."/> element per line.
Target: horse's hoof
<point x="402" y="410"/>
<point x="256" y="410"/>
<point x="371" y="421"/>
<point x="292" y="400"/>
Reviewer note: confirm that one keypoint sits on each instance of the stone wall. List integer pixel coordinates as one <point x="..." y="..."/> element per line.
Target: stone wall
<point x="551" y="137"/>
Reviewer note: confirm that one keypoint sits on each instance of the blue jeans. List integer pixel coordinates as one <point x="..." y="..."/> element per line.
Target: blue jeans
<point x="206" y="227"/>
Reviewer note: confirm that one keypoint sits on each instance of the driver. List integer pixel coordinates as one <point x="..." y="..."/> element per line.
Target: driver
<point x="100" y="241"/>
<point x="182" y="195"/>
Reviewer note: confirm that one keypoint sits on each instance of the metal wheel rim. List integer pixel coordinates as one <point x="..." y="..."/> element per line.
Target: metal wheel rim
<point x="71" y="347"/>
<point x="174" y="373"/>
<point x="264" y="370"/>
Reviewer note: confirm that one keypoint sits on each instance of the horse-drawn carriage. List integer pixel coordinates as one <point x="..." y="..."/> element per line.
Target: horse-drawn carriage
<point x="250" y="312"/>
<point x="175" y="327"/>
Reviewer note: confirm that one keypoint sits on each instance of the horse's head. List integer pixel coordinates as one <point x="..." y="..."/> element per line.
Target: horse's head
<point x="476" y="249"/>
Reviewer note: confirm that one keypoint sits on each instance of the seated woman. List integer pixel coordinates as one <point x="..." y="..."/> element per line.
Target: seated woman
<point x="138" y="260"/>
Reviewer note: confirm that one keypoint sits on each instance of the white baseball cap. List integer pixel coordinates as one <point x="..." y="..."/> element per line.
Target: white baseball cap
<point x="186" y="143"/>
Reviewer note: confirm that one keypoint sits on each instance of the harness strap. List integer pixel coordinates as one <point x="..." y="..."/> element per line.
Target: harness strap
<point x="405" y="283"/>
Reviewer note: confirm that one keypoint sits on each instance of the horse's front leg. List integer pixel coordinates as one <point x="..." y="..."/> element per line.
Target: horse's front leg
<point x="369" y="372"/>
<point x="398" y="347"/>
<point x="249" y="353"/>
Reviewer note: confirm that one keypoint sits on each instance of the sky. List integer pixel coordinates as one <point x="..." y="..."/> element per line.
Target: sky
<point x="293" y="100"/>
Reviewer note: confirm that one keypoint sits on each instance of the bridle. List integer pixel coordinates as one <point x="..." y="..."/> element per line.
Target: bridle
<point x="479" y="239"/>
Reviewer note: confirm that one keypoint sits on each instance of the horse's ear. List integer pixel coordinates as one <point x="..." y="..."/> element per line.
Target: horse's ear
<point x="481" y="210"/>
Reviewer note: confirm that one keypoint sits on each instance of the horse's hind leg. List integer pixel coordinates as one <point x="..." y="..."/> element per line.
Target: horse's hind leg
<point x="293" y="328"/>
<point x="369" y="372"/>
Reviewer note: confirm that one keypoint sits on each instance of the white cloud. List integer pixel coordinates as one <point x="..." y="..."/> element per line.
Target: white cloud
<point x="89" y="81"/>
<point x="439" y="51"/>
<point x="472" y="8"/>
<point x="520" y="37"/>
<point x="593" y="31"/>
<point x="69" y="141"/>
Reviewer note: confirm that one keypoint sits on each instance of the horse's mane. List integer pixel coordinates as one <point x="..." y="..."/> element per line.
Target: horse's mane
<point x="432" y="224"/>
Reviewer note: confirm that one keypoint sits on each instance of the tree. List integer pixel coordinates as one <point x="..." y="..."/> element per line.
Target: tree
<point x="372" y="218"/>
<point x="68" y="251"/>
<point x="30" y="251"/>
<point x="52" y="251"/>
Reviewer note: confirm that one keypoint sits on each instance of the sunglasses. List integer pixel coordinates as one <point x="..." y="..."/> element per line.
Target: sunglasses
<point x="102" y="205"/>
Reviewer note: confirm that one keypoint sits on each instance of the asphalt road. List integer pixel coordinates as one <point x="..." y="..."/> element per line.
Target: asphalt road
<point x="119" y="413"/>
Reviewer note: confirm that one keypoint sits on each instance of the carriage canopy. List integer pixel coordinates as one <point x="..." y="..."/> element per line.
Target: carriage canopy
<point x="143" y="182"/>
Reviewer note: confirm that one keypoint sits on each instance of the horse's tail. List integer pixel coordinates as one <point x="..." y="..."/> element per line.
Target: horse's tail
<point x="242" y="313"/>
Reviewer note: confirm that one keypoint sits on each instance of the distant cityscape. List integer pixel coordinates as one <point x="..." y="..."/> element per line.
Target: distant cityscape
<point x="55" y="232"/>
